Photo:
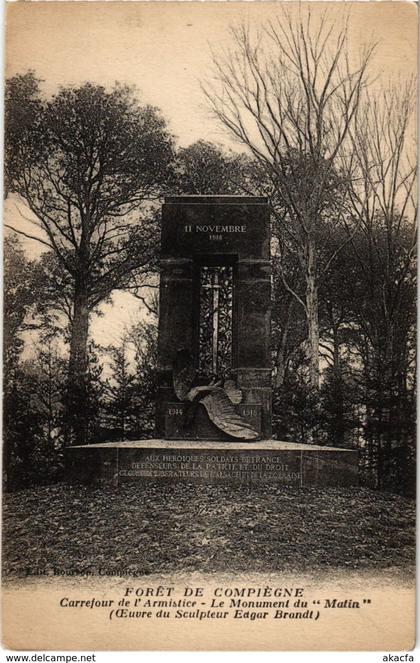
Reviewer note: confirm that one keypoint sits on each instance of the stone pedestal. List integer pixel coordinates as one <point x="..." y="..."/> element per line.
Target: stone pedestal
<point x="233" y="463"/>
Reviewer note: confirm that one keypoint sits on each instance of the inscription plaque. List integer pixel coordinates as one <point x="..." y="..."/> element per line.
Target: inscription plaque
<point x="213" y="467"/>
<point x="281" y="463"/>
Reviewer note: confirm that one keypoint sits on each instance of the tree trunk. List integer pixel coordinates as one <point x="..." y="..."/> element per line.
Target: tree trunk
<point x="281" y="350"/>
<point x="339" y="425"/>
<point x="312" y="314"/>
<point x="388" y="405"/>
<point x="336" y="351"/>
<point x="78" y="362"/>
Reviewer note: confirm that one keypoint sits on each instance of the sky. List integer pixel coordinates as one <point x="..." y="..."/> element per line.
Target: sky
<point x="164" y="49"/>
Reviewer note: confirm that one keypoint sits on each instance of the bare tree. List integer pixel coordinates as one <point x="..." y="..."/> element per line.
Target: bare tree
<point x="382" y="176"/>
<point x="291" y="95"/>
<point x="382" y="169"/>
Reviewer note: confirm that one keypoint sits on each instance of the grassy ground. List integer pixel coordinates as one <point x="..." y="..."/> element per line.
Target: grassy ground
<point x="166" y="528"/>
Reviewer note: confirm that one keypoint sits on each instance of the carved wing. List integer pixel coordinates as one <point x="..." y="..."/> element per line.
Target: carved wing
<point x="222" y="413"/>
<point x="183" y="374"/>
<point x="233" y="391"/>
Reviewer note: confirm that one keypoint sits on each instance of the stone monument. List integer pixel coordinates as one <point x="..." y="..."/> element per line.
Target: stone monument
<point x="215" y="304"/>
<point x="213" y="409"/>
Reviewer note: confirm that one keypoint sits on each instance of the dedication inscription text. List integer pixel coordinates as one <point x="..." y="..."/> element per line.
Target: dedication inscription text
<point x="245" y="467"/>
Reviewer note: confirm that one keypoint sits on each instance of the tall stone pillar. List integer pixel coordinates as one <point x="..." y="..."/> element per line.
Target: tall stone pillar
<point x="176" y="326"/>
<point x="253" y="322"/>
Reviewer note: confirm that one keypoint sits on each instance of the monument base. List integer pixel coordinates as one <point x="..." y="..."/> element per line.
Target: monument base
<point x="234" y="463"/>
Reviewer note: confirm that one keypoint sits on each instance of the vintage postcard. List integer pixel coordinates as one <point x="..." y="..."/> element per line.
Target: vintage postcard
<point x="209" y="326"/>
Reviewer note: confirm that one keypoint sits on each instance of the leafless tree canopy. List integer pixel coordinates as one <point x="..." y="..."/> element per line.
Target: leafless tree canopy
<point x="291" y="94"/>
<point x="381" y="163"/>
<point x="290" y="91"/>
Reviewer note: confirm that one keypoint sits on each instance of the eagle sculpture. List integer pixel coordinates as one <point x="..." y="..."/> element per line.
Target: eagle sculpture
<point x="219" y="399"/>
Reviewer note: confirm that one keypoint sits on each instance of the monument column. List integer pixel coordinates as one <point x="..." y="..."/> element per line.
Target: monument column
<point x="252" y="356"/>
<point x="176" y="326"/>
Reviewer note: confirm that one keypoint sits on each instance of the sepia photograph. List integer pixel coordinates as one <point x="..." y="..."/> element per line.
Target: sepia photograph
<point x="209" y="326"/>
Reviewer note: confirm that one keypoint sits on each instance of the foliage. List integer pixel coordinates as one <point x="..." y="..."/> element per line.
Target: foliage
<point x="130" y="392"/>
<point x="23" y="108"/>
<point x="144" y="339"/>
<point x="20" y="294"/>
<point x="33" y="420"/>
<point x="33" y="392"/>
<point x="119" y="408"/>
<point x="84" y="164"/>
<point x="367" y="392"/>
<point x="204" y="168"/>
<point x="295" y="405"/>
